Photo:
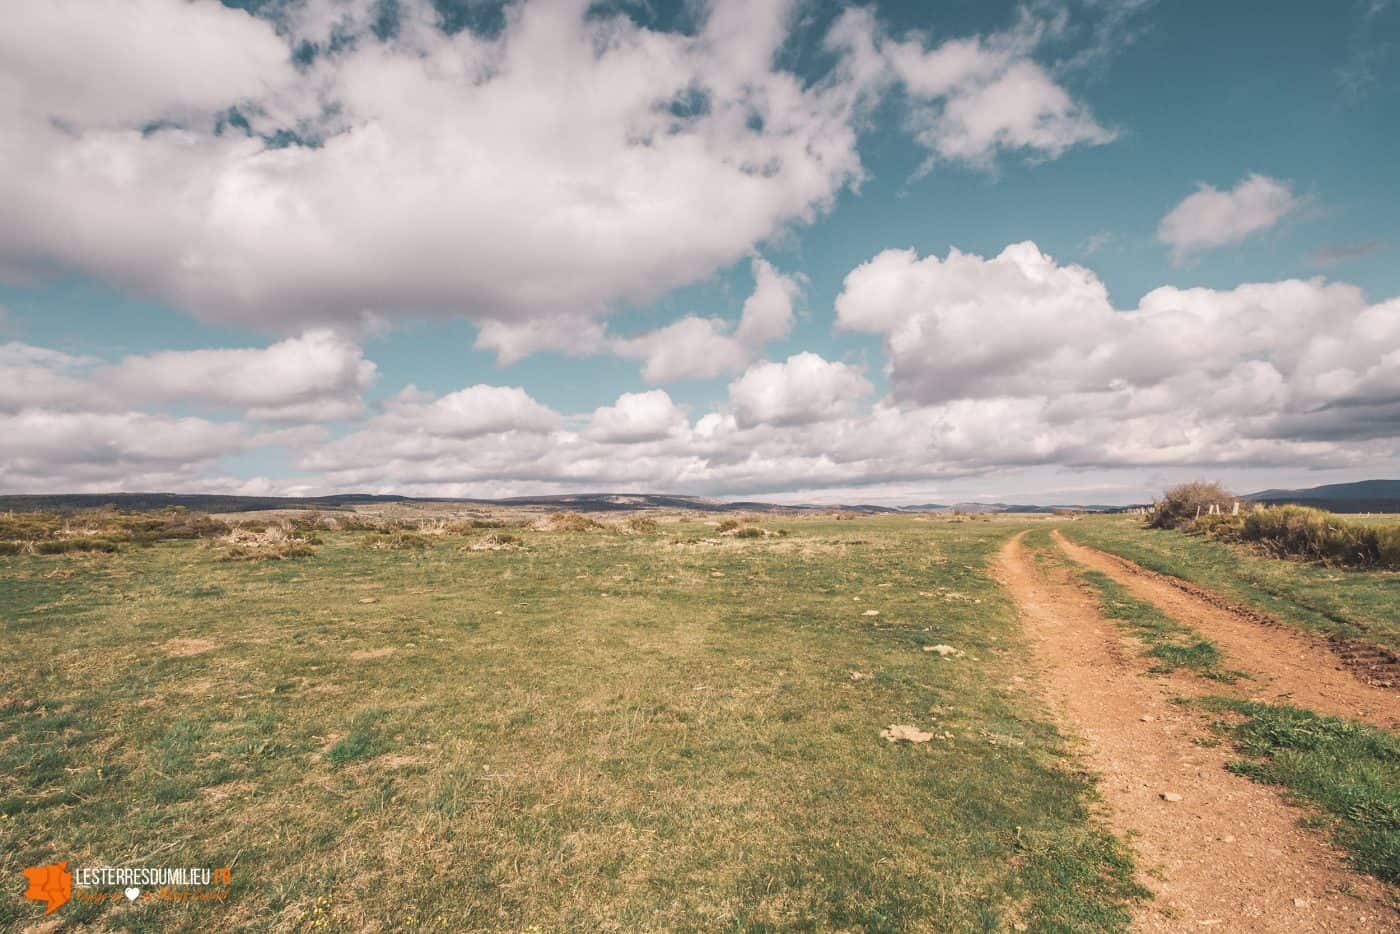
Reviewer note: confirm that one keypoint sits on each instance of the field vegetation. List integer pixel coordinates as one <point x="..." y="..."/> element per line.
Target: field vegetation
<point x="545" y="724"/>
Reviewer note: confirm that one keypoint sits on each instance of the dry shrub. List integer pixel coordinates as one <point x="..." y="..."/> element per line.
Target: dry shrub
<point x="397" y="541"/>
<point x="497" y="541"/>
<point x="642" y="525"/>
<point x="1185" y="502"/>
<point x="274" y="551"/>
<point x="728" y="525"/>
<point x="273" y="542"/>
<point x="100" y="530"/>
<point x="749" y="531"/>
<point x="570" y="522"/>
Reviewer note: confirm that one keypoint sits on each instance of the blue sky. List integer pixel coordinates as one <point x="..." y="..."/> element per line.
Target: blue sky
<point x="700" y="248"/>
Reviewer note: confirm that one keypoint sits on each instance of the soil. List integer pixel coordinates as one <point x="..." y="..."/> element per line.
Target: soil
<point x="1218" y="851"/>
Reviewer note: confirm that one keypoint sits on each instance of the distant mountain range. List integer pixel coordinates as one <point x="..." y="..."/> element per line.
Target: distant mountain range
<point x="1365" y="496"/>
<point x="1362" y="496"/>
<point x="579" y="502"/>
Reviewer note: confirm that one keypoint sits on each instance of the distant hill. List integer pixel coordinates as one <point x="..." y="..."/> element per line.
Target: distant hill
<point x="578" y="502"/>
<point x="1362" y="496"/>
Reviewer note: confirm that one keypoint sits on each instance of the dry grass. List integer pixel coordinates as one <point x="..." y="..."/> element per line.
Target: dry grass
<point x="592" y="733"/>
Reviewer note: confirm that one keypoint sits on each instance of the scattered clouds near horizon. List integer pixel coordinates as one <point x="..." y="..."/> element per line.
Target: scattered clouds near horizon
<point x="1210" y="218"/>
<point x="195" y="153"/>
<point x="702" y="348"/>
<point x="1010" y="362"/>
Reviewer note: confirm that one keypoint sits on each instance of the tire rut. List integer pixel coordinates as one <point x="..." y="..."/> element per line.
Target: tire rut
<point x="1229" y="855"/>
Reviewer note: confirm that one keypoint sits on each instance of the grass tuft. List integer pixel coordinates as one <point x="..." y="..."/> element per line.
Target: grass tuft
<point x="1349" y="770"/>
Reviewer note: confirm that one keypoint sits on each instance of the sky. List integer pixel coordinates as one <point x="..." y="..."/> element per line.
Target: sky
<point x="897" y="253"/>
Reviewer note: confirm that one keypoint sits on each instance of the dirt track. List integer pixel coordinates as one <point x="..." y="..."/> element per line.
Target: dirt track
<point x="1229" y="855"/>
<point x="1288" y="666"/>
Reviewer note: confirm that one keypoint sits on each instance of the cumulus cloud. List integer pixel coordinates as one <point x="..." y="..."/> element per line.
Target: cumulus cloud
<point x="973" y="98"/>
<point x="702" y="348"/>
<point x="1260" y="370"/>
<point x="1210" y="218"/>
<point x="317" y="376"/>
<point x="637" y="416"/>
<point x="173" y="147"/>
<point x="620" y="162"/>
<point x="804" y="389"/>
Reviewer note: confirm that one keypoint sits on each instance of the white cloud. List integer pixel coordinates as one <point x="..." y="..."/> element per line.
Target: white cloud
<point x="471" y="412"/>
<point x="620" y="161"/>
<point x="595" y="184"/>
<point x="317" y="376"/>
<point x="1211" y="218"/>
<point x="804" y="389"/>
<point x="973" y="98"/>
<point x="636" y="417"/>
<point x="1262" y="370"/>
<point x="703" y="348"/>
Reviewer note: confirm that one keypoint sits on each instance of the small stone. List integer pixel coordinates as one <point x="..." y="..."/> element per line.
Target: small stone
<point x="871" y="613"/>
<point x="1300" y="903"/>
<point x="1227" y="839"/>
<point x="943" y="650"/>
<point x="369" y="599"/>
<point x="1145" y="718"/>
<point x="1169" y="796"/>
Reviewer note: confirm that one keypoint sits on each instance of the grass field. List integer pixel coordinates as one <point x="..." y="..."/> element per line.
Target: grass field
<point x="596" y="730"/>
<point x="1354" y="604"/>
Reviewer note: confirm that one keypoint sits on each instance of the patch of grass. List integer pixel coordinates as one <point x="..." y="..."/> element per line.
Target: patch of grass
<point x="1349" y="770"/>
<point x="1351" y="604"/>
<point x="1172" y="644"/>
<point x="595" y="731"/>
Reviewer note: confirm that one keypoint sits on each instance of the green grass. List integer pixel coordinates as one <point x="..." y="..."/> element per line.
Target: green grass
<point x="1352" y="604"/>
<point x="593" y="730"/>
<point x="1173" y="645"/>
<point x="1348" y="770"/>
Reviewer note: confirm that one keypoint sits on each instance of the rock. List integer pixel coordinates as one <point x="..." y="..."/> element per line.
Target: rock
<point x="871" y="613"/>
<point x="902" y="732"/>
<point x="1300" y="903"/>
<point x="369" y="599"/>
<point x="1169" y="796"/>
<point x="943" y="650"/>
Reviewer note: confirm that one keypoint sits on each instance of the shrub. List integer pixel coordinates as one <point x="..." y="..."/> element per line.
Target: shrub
<point x="644" y="525"/>
<point x="397" y="541"/>
<point x="1187" y="501"/>
<point x="749" y="531"/>
<point x="728" y="525"/>
<point x="572" y="522"/>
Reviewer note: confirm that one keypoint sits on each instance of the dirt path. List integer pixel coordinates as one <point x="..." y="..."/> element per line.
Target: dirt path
<point x="1287" y="666"/>
<point x="1229" y="855"/>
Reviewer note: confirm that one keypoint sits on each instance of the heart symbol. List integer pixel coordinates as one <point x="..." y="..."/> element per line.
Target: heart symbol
<point x="132" y="894"/>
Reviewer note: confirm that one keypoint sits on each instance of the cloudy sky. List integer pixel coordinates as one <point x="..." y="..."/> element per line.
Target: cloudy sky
<point x="882" y="252"/>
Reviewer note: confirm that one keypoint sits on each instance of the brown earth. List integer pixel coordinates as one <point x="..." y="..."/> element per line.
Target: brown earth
<point x="1219" y="852"/>
<point x="1287" y="665"/>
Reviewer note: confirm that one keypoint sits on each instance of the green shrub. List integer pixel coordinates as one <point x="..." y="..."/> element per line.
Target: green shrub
<point x="1186" y="502"/>
<point x="644" y="525"/>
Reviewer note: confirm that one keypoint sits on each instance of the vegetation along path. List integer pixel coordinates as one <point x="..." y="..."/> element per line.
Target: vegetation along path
<point x="1220" y="852"/>
<point x="1286" y="664"/>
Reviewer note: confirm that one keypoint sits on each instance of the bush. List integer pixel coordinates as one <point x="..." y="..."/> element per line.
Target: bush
<point x="397" y="541"/>
<point x="749" y="531"/>
<point x="572" y="522"/>
<point x="1186" y="502"/>
<point x="1302" y="532"/>
<point x="728" y="525"/>
<point x="644" y="525"/>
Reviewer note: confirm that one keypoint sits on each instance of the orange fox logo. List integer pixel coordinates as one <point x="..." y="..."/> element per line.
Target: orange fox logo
<point x="52" y="884"/>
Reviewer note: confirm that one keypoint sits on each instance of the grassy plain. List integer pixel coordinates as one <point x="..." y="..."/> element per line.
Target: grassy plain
<point x="595" y="730"/>
<point x="1350" y="603"/>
